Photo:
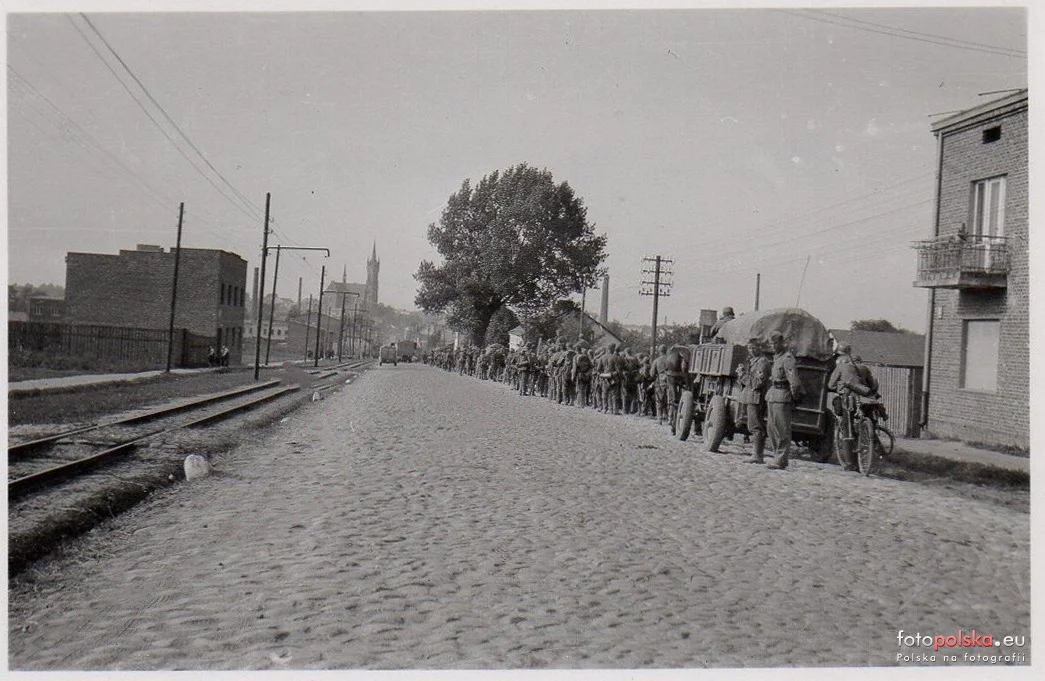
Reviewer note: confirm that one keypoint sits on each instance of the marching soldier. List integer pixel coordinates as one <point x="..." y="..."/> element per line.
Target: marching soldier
<point x="582" y="368"/>
<point x="755" y="383"/>
<point x="610" y="380"/>
<point x="784" y="390"/>
<point x="524" y="367"/>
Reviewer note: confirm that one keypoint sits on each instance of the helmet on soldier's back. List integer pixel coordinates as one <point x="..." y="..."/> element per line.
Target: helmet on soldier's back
<point x="727" y="312"/>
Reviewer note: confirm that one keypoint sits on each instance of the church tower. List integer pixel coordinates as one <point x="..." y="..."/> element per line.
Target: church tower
<point x="373" y="265"/>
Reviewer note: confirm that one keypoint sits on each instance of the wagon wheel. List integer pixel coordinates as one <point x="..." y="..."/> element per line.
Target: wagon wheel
<point x="684" y="415"/>
<point x="715" y="423"/>
<point x="867" y="448"/>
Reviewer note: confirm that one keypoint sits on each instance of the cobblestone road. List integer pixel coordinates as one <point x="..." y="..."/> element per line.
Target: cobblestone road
<point x="424" y="520"/>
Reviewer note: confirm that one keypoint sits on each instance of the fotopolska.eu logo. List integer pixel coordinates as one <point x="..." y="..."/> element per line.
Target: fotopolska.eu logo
<point x="985" y="647"/>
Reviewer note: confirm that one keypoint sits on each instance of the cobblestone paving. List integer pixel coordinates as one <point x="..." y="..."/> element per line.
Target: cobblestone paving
<point x="424" y="520"/>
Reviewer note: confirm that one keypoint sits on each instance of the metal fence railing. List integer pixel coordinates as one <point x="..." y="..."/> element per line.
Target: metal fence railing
<point x="120" y="344"/>
<point x="950" y="257"/>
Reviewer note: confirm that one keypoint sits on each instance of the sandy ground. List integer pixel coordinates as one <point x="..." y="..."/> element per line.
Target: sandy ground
<point x="419" y="519"/>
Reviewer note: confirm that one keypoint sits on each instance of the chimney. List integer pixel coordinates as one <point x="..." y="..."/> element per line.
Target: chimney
<point x="300" y="280"/>
<point x="604" y="311"/>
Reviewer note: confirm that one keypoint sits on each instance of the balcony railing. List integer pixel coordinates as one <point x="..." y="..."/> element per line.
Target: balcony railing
<point x="974" y="261"/>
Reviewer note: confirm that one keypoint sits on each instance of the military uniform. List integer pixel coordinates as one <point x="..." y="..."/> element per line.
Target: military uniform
<point x="755" y="383"/>
<point x="784" y="390"/>
<point x="851" y="381"/>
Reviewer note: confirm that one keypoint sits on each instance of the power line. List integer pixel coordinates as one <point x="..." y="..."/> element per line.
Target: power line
<point x="957" y="41"/>
<point x="894" y="32"/>
<point x="67" y="125"/>
<point x="246" y="201"/>
<point x="159" y="127"/>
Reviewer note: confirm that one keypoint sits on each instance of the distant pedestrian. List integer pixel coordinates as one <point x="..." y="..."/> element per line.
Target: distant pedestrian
<point x="212" y="357"/>
<point x="224" y="355"/>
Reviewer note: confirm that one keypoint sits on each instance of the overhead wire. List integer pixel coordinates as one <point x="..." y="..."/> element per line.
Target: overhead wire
<point x="258" y="212"/>
<point x="159" y="127"/>
<point x="69" y="128"/>
<point x="895" y="32"/>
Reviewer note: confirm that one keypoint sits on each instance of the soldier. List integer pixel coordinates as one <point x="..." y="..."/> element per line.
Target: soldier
<point x="642" y="383"/>
<point x="566" y="385"/>
<point x="659" y="378"/>
<point x="851" y="381"/>
<point x="754" y="382"/>
<point x="609" y="380"/>
<point x="524" y="367"/>
<point x="784" y="391"/>
<point x="727" y="316"/>
<point x="582" y="366"/>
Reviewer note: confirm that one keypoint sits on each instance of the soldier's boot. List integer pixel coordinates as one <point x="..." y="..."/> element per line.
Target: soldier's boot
<point x="846" y="454"/>
<point x="760" y="448"/>
<point x="780" y="463"/>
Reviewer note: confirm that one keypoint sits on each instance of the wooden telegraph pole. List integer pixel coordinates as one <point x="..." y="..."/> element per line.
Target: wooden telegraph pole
<point x="261" y="293"/>
<point x="661" y="286"/>
<point x="319" y="313"/>
<point x="174" y="289"/>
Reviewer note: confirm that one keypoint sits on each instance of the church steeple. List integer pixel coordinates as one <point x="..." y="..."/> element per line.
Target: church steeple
<point x="373" y="267"/>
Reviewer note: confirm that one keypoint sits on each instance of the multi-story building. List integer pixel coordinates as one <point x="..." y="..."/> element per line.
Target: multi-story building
<point x="133" y="289"/>
<point x="976" y="269"/>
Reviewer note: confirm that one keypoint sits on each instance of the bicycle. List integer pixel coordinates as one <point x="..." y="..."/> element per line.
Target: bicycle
<point x="863" y="420"/>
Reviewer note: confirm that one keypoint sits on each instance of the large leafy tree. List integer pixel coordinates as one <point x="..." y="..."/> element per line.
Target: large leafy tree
<point x="517" y="240"/>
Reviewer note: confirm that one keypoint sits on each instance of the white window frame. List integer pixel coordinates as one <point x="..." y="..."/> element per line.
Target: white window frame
<point x="984" y="192"/>
<point x="963" y="377"/>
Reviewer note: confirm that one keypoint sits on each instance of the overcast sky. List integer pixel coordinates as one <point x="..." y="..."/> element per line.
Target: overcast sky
<point x="789" y="142"/>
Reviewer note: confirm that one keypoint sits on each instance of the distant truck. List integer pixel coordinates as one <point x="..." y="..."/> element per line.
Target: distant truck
<point x="406" y="350"/>
<point x="389" y="354"/>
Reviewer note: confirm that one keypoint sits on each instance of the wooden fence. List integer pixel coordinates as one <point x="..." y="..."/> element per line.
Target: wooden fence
<point x="901" y="389"/>
<point x="147" y="347"/>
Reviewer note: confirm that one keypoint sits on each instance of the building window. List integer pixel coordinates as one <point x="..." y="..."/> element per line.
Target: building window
<point x="988" y="207"/>
<point x="992" y="134"/>
<point x="980" y="355"/>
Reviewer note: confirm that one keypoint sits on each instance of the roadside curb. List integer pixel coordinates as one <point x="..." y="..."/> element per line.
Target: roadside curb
<point x="963" y="470"/>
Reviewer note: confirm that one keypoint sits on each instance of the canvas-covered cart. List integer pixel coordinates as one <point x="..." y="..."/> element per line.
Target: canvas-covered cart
<point x="711" y="400"/>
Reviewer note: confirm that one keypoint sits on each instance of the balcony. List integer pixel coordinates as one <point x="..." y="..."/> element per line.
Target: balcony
<point x="974" y="262"/>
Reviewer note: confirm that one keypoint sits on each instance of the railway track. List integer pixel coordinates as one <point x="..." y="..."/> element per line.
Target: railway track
<point x="49" y="461"/>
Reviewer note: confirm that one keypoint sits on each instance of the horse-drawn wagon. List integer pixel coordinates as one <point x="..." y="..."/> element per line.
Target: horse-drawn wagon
<point x="710" y="397"/>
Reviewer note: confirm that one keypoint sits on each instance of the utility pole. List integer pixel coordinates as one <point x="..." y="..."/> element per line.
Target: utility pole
<point x="580" y="327"/>
<point x="758" y="288"/>
<point x="275" y="278"/>
<point x="352" y="337"/>
<point x="261" y="293"/>
<point x="308" y="325"/>
<point x="319" y="313"/>
<point x="341" y="332"/>
<point x="174" y="290"/>
<point x="272" y="307"/>
<point x="661" y="286"/>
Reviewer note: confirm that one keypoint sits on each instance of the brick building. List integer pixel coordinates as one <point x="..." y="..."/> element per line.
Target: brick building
<point x="133" y="289"/>
<point x="976" y="270"/>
